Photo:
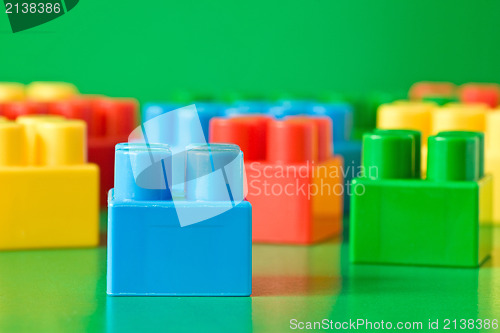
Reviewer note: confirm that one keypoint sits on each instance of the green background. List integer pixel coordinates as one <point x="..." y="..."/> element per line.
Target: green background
<point x="148" y="49"/>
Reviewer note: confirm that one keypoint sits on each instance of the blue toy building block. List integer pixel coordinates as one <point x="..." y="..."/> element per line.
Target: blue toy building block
<point x="351" y="152"/>
<point x="239" y="108"/>
<point x="164" y="245"/>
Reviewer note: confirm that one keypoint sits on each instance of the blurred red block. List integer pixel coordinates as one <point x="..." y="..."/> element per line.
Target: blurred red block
<point x="291" y="173"/>
<point x="420" y="90"/>
<point x="110" y="121"/>
<point x="12" y="110"/>
<point x="485" y="93"/>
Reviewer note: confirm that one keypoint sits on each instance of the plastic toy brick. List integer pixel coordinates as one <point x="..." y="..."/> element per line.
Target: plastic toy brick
<point x="36" y="98"/>
<point x="47" y="92"/>
<point x="407" y="115"/>
<point x="492" y="155"/>
<point x="452" y="117"/>
<point x="246" y="107"/>
<point x="151" y="250"/>
<point x="425" y="89"/>
<point x="399" y="218"/>
<point x="295" y="184"/>
<point x="11" y="92"/>
<point x="340" y="113"/>
<point x="110" y="121"/>
<point x="485" y="93"/>
<point x="49" y="193"/>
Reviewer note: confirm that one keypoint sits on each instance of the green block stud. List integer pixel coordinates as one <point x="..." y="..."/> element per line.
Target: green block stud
<point x="399" y="218"/>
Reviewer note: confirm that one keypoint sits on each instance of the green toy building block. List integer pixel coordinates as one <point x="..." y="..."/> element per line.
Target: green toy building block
<point x="399" y="218"/>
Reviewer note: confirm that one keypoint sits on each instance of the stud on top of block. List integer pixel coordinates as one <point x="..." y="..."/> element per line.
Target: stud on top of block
<point x="456" y="117"/>
<point x="425" y="89"/>
<point x="248" y="132"/>
<point x="484" y="93"/>
<point x="340" y="113"/>
<point x="143" y="172"/>
<point x="44" y="141"/>
<point x="106" y="117"/>
<point x="11" y="92"/>
<point x="380" y="149"/>
<point x="452" y="155"/>
<point x="292" y="140"/>
<point x="203" y="183"/>
<point x="407" y="115"/>
<point x="50" y="91"/>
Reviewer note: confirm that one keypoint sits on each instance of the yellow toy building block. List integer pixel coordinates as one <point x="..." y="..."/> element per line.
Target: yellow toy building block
<point x="492" y="155"/>
<point x="407" y="115"/>
<point x="11" y="92"/>
<point x="459" y="117"/>
<point x="48" y="193"/>
<point x="50" y="91"/>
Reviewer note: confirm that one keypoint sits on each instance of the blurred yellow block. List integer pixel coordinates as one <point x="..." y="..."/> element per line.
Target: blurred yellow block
<point x="50" y="91"/>
<point x="48" y="193"/>
<point x="11" y="92"/>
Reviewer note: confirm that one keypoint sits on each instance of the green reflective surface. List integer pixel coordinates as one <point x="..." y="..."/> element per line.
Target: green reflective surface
<point x="64" y="290"/>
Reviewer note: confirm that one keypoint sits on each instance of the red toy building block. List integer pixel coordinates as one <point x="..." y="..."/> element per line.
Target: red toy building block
<point x="110" y="121"/>
<point x="486" y="93"/>
<point x="295" y="184"/>
<point x="420" y="90"/>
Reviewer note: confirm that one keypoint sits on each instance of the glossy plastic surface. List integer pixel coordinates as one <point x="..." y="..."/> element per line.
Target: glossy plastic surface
<point x="49" y="192"/>
<point x="151" y="249"/>
<point x="297" y="172"/>
<point x="109" y="120"/>
<point x="399" y="220"/>
<point x="66" y="290"/>
<point x="485" y="93"/>
<point x="426" y="89"/>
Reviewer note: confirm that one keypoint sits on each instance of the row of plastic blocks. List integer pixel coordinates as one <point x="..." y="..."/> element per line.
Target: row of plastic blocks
<point x="197" y="243"/>
<point x="109" y="120"/>
<point x="340" y="114"/>
<point x="49" y="193"/>
<point x="445" y="92"/>
<point x="288" y="164"/>
<point x="399" y="218"/>
<point x="429" y="119"/>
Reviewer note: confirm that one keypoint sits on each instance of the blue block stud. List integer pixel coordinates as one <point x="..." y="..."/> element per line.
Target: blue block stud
<point x="197" y="244"/>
